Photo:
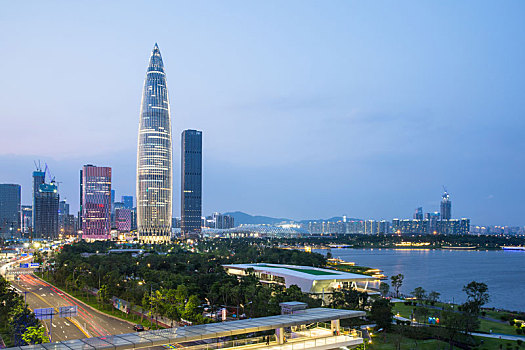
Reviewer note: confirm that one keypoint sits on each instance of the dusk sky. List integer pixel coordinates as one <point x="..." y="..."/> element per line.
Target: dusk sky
<point x="309" y="109"/>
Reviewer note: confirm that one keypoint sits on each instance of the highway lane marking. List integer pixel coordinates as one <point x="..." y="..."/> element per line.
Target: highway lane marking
<point x="76" y="325"/>
<point x="83" y="313"/>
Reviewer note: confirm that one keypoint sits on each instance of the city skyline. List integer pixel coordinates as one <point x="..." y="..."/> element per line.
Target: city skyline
<point x="327" y="126"/>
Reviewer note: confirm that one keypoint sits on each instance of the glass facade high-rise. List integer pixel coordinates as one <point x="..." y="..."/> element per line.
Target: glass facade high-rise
<point x="446" y="207"/>
<point x="154" y="157"/>
<point x="96" y="202"/>
<point x="10" y="210"/>
<point x="191" y="186"/>
<point x="128" y="202"/>
<point x="45" y="211"/>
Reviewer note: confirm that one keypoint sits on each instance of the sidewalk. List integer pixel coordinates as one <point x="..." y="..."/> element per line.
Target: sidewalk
<point x="499" y="336"/>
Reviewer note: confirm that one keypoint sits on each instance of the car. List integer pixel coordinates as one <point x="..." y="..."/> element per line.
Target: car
<point x="138" y="327"/>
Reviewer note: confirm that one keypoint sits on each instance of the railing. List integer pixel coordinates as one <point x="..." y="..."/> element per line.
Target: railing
<point x="294" y="342"/>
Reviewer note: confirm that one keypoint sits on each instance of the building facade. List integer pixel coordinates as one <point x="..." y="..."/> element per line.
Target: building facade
<point x="154" y="157"/>
<point x="27" y="220"/>
<point x="96" y="202"/>
<point x="123" y="219"/>
<point x="446" y="207"/>
<point x="128" y="201"/>
<point x="10" y="207"/>
<point x="191" y="183"/>
<point x="45" y="212"/>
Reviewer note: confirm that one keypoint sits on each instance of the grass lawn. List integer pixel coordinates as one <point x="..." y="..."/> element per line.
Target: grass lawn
<point x="402" y="309"/>
<point x="485" y="326"/>
<point x="494" y="344"/>
<point x="505" y="328"/>
<point x="378" y="343"/>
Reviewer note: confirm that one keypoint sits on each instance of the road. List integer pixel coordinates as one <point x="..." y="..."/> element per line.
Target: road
<point x="88" y="323"/>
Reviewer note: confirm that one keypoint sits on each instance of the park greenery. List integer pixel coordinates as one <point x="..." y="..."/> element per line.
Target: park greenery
<point x="18" y="324"/>
<point x="177" y="281"/>
<point x="180" y="281"/>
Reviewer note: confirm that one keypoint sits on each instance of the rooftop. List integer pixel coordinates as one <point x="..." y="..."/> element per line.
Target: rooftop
<point x="199" y="332"/>
<point x="304" y="272"/>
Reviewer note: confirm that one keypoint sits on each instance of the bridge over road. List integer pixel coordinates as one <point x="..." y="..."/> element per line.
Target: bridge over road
<point x="317" y="328"/>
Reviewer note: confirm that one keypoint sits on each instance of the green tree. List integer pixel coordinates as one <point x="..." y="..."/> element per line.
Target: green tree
<point x="477" y="293"/>
<point x="419" y="293"/>
<point x="433" y="297"/>
<point x="453" y="324"/>
<point x="23" y="318"/>
<point x="103" y="294"/>
<point x="381" y="313"/>
<point x="397" y="282"/>
<point x="35" y="335"/>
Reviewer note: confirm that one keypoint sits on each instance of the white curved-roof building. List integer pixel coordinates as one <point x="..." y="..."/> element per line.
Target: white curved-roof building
<point x="309" y="279"/>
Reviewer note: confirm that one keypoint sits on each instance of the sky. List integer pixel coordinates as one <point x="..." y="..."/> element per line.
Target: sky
<point x="309" y="109"/>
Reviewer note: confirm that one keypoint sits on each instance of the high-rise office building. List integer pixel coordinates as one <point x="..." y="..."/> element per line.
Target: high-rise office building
<point x="45" y="208"/>
<point x="128" y="202"/>
<point x="191" y="186"/>
<point x="418" y="214"/>
<point x="446" y="206"/>
<point x="63" y="214"/>
<point x="123" y="219"/>
<point x="39" y="177"/>
<point x="96" y="202"/>
<point x="27" y="220"/>
<point x="10" y="207"/>
<point x="154" y="157"/>
<point x="220" y="221"/>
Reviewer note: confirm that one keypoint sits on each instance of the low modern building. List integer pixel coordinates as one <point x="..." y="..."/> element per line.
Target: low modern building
<point x="312" y="280"/>
<point x="318" y="329"/>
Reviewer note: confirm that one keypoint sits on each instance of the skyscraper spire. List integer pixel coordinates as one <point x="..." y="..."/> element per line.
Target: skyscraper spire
<point x="154" y="156"/>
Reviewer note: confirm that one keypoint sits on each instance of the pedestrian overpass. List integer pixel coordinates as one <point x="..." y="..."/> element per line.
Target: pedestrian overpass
<point x="317" y="328"/>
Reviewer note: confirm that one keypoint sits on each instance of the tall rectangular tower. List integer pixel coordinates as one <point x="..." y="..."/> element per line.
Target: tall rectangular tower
<point x="191" y="184"/>
<point x="38" y="179"/>
<point x="446" y="207"/>
<point x="96" y="202"/>
<point x="10" y="210"/>
<point x="45" y="212"/>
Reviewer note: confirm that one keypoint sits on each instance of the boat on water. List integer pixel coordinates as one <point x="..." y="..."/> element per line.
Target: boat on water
<point x="511" y="247"/>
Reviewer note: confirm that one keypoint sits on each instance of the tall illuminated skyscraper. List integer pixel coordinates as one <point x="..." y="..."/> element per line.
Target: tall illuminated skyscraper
<point x="96" y="202"/>
<point x="154" y="157"/>
<point x="446" y="206"/>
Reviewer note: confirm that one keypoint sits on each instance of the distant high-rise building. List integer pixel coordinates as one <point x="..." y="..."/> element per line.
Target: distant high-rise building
<point x="45" y="208"/>
<point x="418" y="214"/>
<point x="128" y="202"/>
<point x="27" y="219"/>
<point x="154" y="157"/>
<point x="63" y="214"/>
<point x="191" y="186"/>
<point x="446" y="207"/>
<point x="133" y="219"/>
<point x="123" y="219"/>
<point x="38" y="179"/>
<point x="10" y="210"/>
<point x="96" y="202"/>
<point x="220" y="221"/>
<point x="112" y="201"/>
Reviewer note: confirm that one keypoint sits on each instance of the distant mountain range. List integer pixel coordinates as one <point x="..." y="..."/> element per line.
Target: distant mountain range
<point x="245" y="219"/>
